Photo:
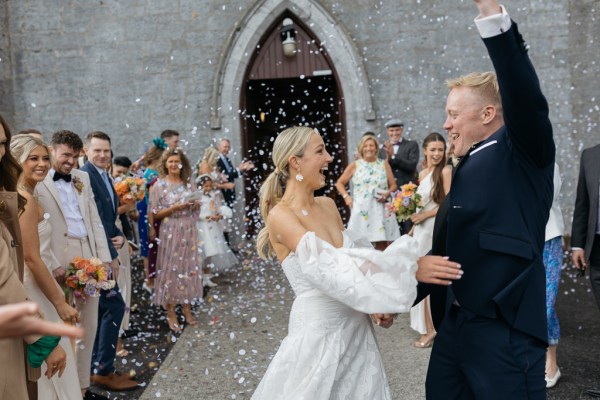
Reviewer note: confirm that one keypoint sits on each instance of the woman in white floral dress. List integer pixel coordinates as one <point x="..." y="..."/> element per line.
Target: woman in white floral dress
<point x="372" y="181"/>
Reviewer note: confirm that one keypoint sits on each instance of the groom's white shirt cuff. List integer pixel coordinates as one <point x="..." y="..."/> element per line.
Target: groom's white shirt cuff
<point x="493" y="25"/>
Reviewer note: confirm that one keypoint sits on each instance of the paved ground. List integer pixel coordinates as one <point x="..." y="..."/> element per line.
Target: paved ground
<point x="244" y="319"/>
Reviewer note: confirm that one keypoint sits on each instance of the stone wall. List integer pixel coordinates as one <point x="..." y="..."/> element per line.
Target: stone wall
<point x="137" y="67"/>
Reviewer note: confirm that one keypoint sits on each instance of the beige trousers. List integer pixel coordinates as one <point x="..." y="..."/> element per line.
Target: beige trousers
<point x="88" y="317"/>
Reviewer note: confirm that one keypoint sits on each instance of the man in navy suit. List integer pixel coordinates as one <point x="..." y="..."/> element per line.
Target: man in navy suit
<point x="491" y="320"/>
<point x="111" y="306"/>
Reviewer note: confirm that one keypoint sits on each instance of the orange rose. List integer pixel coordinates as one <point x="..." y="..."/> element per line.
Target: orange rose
<point x="90" y="269"/>
<point x="72" y="282"/>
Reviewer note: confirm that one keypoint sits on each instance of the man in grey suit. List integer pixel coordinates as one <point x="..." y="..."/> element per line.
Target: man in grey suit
<point x="403" y="156"/>
<point x="585" y="233"/>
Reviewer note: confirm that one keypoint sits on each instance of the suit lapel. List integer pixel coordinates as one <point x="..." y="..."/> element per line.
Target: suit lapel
<point x="80" y="198"/>
<point x="94" y="174"/>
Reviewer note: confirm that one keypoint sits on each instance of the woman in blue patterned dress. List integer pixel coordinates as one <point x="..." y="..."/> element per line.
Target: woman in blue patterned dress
<point x="552" y="263"/>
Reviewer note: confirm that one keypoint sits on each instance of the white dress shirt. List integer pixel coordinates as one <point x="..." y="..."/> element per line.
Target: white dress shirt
<point x="70" y="205"/>
<point x="493" y="25"/>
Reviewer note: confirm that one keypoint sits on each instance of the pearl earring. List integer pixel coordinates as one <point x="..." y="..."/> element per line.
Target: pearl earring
<point x="299" y="176"/>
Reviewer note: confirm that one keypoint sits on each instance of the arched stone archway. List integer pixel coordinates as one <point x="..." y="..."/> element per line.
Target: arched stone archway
<point x="237" y="52"/>
<point x="236" y="55"/>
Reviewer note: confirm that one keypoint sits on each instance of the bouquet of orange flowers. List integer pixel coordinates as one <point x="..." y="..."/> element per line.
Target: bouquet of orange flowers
<point x="86" y="277"/>
<point x="130" y="189"/>
<point x="405" y="202"/>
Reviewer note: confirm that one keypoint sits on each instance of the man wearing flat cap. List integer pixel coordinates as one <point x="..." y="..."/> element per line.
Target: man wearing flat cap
<point x="403" y="156"/>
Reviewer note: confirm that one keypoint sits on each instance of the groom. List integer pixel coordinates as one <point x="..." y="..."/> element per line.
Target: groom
<point x="491" y="321"/>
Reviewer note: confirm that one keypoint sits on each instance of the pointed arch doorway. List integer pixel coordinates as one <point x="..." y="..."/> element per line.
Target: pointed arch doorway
<point x="281" y="91"/>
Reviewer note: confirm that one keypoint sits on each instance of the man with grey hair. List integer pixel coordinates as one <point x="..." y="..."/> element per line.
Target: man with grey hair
<point x="403" y="155"/>
<point x="229" y="170"/>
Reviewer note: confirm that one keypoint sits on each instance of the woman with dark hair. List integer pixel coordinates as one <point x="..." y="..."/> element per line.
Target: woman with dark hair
<point x="14" y="370"/>
<point x="179" y="264"/>
<point x="434" y="185"/>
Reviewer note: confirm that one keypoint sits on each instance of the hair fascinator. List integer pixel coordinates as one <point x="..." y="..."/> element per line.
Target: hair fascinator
<point x="159" y="143"/>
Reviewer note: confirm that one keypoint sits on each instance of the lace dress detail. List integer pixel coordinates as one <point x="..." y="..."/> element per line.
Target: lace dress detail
<point x="330" y="351"/>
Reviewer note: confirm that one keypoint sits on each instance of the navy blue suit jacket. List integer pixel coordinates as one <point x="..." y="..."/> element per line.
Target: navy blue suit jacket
<point x="493" y="220"/>
<point x="107" y="208"/>
<point x="232" y="173"/>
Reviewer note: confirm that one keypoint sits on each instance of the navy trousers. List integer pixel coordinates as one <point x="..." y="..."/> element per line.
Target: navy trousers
<point x="111" y="309"/>
<point x="474" y="357"/>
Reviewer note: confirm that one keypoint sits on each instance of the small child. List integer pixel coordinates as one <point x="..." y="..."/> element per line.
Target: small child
<point x="218" y="257"/>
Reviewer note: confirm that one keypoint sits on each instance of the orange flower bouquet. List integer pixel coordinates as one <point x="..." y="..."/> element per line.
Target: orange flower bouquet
<point x="405" y="202"/>
<point x="86" y="277"/>
<point x="130" y="189"/>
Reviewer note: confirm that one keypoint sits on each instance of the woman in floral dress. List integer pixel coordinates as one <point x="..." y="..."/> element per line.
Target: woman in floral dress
<point x="179" y="264"/>
<point x="372" y="181"/>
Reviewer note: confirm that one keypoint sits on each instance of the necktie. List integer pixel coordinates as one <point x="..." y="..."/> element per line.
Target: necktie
<point x="108" y="186"/>
<point x="57" y="176"/>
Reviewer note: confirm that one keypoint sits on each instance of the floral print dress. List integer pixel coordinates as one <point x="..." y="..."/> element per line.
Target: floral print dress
<point x="369" y="216"/>
<point x="179" y="261"/>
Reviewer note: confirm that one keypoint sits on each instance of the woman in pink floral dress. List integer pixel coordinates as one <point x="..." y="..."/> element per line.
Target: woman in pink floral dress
<point x="179" y="262"/>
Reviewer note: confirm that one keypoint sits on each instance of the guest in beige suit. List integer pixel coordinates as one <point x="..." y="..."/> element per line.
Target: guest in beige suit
<point x="66" y="196"/>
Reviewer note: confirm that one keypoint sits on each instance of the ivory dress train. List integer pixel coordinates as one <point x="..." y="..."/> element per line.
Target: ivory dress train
<point x="330" y="351"/>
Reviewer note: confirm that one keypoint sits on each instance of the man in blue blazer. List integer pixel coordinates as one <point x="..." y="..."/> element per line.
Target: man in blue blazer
<point x="491" y="320"/>
<point x="111" y="306"/>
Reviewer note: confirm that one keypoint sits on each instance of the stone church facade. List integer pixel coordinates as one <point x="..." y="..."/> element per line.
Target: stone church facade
<point x="217" y="69"/>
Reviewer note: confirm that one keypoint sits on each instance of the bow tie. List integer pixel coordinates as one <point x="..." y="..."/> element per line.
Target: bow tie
<point x="57" y="176"/>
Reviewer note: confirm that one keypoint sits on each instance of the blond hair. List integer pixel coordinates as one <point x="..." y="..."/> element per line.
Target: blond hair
<point x="211" y="155"/>
<point x="483" y="84"/>
<point x="21" y="146"/>
<point x="364" y="140"/>
<point x="291" y="142"/>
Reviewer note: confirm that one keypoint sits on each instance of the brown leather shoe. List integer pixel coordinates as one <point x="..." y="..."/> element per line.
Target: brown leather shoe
<point x="123" y="375"/>
<point x="113" y="382"/>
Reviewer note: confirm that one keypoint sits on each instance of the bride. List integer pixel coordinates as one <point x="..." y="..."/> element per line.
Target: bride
<point x="341" y="283"/>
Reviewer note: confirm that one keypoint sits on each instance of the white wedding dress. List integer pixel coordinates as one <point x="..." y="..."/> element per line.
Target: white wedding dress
<point x="67" y="386"/>
<point x="423" y="234"/>
<point x="330" y="351"/>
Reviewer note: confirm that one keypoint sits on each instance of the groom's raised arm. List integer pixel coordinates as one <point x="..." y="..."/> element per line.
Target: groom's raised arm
<point x="525" y="109"/>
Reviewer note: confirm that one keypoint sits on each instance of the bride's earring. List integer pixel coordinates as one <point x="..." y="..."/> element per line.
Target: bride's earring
<point x="299" y="176"/>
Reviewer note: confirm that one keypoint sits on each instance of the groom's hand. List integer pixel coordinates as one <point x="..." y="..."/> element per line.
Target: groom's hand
<point x="438" y="270"/>
<point x="488" y="7"/>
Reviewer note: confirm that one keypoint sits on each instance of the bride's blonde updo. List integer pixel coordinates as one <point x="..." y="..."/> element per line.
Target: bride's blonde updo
<point x="291" y="142"/>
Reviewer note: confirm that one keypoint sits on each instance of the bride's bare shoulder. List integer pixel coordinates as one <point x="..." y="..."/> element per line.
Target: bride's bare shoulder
<point x="281" y="214"/>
